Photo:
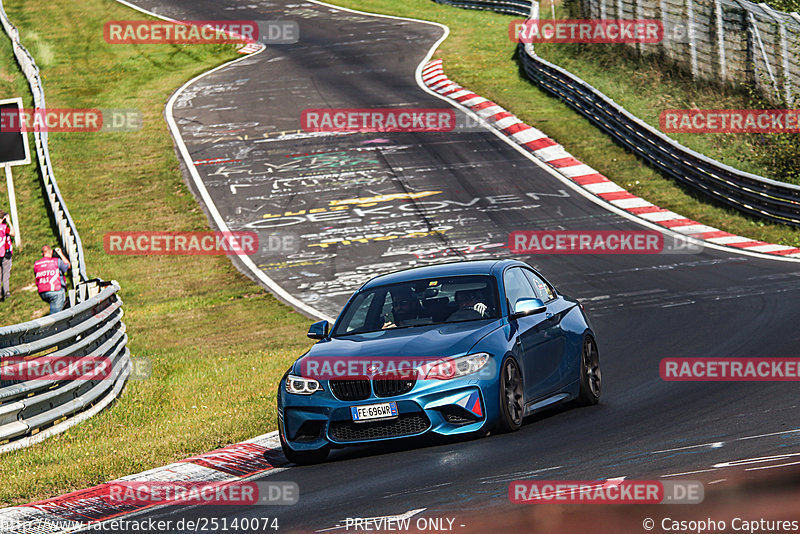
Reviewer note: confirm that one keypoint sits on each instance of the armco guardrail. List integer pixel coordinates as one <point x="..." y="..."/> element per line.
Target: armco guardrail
<point x="91" y="329"/>
<point x="509" y="7"/>
<point x="68" y="234"/>
<point x="749" y="193"/>
<point x="90" y="332"/>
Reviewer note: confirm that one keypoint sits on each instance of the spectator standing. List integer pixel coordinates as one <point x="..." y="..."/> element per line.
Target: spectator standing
<point x="50" y="281"/>
<point x="6" y="252"/>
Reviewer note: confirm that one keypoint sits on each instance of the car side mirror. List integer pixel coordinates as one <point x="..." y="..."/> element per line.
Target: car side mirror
<point x="524" y="307"/>
<point x="318" y="330"/>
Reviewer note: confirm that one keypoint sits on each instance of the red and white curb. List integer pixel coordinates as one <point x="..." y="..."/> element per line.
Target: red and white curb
<point x="583" y="175"/>
<point x="81" y="508"/>
<point x="250" y="48"/>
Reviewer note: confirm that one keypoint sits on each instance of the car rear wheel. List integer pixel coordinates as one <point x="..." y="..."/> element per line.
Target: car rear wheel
<point x="591" y="377"/>
<point x="512" y="406"/>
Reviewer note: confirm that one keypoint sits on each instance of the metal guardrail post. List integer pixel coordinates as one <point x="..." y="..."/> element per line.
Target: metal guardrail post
<point x="720" y="30"/>
<point x="757" y="34"/>
<point x="662" y="13"/>
<point x="691" y="35"/>
<point x="787" y="78"/>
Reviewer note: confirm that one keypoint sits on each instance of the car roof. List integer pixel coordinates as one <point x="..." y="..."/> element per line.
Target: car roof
<point x="457" y="268"/>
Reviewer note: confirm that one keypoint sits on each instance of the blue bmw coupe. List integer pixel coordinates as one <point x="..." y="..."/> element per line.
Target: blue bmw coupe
<point x="453" y="348"/>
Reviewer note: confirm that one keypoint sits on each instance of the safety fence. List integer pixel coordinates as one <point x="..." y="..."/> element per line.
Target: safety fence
<point x="509" y="7"/>
<point x="720" y="40"/>
<point x="89" y="330"/>
<point x="749" y="193"/>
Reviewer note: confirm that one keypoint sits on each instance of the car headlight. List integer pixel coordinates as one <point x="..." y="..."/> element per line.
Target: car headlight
<point x="455" y="367"/>
<point x="301" y="386"/>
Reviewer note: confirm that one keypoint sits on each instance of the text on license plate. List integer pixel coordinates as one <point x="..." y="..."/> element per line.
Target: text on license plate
<point x="374" y="411"/>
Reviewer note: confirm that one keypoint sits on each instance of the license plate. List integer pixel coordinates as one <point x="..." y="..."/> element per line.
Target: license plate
<point x="370" y="412"/>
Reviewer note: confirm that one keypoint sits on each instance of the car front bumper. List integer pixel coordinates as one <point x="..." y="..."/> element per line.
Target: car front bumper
<point x="310" y="422"/>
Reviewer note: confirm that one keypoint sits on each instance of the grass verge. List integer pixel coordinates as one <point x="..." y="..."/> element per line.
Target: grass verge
<point x="217" y="342"/>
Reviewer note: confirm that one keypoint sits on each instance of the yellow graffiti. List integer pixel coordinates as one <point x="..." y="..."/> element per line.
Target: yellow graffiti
<point x="328" y="243"/>
<point x="371" y="201"/>
<point x="346" y="204"/>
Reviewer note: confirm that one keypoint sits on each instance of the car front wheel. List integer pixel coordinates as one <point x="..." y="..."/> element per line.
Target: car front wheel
<point x="512" y="405"/>
<point x="591" y="378"/>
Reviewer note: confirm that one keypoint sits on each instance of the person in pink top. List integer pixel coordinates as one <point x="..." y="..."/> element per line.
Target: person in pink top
<point x="6" y="252"/>
<point x="50" y="282"/>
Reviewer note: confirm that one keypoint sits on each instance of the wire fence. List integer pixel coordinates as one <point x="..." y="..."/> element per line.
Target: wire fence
<point x="720" y="40"/>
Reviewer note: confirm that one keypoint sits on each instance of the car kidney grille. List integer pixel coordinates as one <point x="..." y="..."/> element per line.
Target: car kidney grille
<point x="391" y="385"/>
<point x="350" y="390"/>
<point x="404" y="425"/>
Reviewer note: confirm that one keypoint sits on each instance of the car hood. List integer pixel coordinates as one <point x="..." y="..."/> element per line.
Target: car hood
<point x="417" y="342"/>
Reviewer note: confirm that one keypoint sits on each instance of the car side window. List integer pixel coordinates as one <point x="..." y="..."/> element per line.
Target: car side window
<point x="542" y="288"/>
<point x="517" y="287"/>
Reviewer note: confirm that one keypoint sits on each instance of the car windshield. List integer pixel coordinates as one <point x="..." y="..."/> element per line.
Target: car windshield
<point x="419" y="303"/>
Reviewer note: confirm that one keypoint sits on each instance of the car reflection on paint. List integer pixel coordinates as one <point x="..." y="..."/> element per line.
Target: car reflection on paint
<point x="446" y="349"/>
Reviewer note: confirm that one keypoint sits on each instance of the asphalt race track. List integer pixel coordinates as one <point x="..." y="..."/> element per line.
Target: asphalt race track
<point x="338" y="199"/>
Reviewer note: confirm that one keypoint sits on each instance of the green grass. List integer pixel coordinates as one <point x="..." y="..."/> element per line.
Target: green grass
<point x="218" y="342"/>
<point x="785" y="5"/>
